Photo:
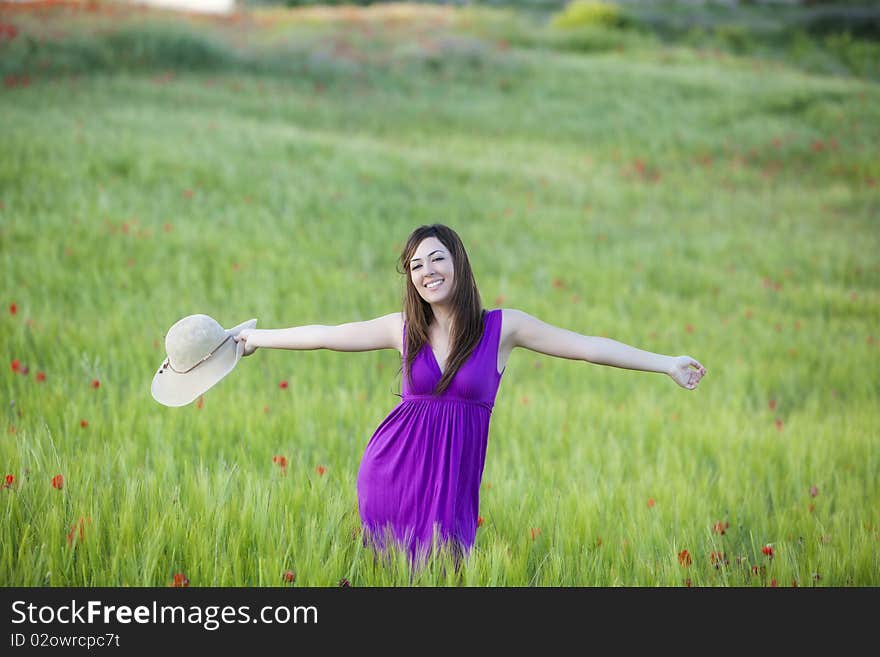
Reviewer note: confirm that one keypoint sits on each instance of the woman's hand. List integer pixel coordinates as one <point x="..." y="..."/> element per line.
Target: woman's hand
<point x="246" y="336"/>
<point x="683" y="375"/>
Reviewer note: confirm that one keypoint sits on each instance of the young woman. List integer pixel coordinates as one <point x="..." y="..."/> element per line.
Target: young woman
<point x="419" y="480"/>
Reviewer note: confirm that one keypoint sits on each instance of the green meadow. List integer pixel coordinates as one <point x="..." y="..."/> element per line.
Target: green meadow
<point x="679" y="199"/>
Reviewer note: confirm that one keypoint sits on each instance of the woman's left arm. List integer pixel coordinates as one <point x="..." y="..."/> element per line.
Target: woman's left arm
<point x="531" y="333"/>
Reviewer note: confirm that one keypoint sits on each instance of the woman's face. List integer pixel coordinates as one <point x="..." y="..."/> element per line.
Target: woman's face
<point x="432" y="264"/>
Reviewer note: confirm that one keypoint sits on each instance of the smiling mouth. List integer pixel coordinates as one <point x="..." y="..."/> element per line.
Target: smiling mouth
<point x="435" y="284"/>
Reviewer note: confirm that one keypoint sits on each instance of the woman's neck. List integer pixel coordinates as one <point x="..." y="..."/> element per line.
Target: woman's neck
<point x="443" y="319"/>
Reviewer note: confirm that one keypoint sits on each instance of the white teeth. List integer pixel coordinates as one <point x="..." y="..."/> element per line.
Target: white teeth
<point x="434" y="284"/>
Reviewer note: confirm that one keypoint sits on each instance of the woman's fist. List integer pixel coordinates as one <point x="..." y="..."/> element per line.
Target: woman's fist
<point x="246" y="336"/>
<point x="683" y="375"/>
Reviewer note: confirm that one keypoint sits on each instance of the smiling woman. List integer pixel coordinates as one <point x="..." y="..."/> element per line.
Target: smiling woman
<point x="419" y="480"/>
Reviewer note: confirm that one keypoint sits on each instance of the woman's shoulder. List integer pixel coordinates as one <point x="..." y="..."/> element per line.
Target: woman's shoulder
<point x="508" y="314"/>
<point x="511" y="320"/>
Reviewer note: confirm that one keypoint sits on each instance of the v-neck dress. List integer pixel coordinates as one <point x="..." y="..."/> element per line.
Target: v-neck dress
<point x="422" y="468"/>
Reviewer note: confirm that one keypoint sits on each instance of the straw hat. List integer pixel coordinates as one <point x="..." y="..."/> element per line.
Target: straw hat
<point x="200" y="353"/>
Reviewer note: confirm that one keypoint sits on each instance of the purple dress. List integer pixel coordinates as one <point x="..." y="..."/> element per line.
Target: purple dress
<point x="423" y="465"/>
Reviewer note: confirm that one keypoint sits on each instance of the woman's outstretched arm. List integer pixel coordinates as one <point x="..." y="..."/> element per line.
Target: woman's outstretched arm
<point x="381" y="333"/>
<point x="523" y="330"/>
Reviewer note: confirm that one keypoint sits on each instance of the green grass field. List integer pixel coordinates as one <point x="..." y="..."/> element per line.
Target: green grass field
<point x="677" y="200"/>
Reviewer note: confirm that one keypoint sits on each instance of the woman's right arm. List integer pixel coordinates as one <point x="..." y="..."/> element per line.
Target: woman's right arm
<point x="384" y="332"/>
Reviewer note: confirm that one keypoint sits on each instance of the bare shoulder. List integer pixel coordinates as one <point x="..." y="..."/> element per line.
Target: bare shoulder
<point x="524" y="330"/>
<point x="511" y="321"/>
<point x="395" y="325"/>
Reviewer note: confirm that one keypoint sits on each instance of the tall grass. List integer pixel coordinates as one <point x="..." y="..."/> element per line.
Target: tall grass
<point x="684" y="204"/>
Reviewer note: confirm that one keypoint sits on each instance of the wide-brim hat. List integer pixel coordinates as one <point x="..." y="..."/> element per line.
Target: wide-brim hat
<point x="200" y="353"/>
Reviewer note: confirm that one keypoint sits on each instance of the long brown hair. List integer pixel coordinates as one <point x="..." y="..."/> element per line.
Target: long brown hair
<point x="467" y="309"/>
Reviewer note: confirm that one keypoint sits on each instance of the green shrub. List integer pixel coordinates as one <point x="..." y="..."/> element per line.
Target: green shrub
<point x="594" y="40"/>
<point x="736" y="37"/>
<point x="588" y="13"/>
<point x="860" y="22"/>
<point x="860" y="56"/>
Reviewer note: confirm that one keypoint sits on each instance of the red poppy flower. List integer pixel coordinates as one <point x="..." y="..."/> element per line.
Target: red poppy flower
<point x="16" y="365"/>
<point x="11" y="81"/>
<point x="773" y="583"/>
<point x="58" y="481"/>
<point x="813" y="491"/>
<point x="77" y="531"/>
<point x="180" y="580"/>
<point x="283" y="385"/>
<point x="320" y="470"/>
<point x="13" y="309"/>
<point x="289" y="576"/>
<point x="480" y="521"/>
<point x="83" y="423"/>
<point x="718" y="559"/>
<point x="651" y="502"/>
<point x="684" y="558"/>
<point x="767" y="550"/>
<point x="772" y="404"/>
<point x="10" y="480"/>
<point x="536" y="532"/>
<point x="41" y="376"/>
<point x="96" y="384"/>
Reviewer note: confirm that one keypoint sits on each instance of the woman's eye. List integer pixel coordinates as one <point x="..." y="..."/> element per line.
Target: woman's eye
<point x="437" y="259"/>
<point x="416" y="267"/>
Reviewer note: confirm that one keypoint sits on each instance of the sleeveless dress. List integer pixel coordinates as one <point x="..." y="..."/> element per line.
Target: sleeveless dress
<point x="422" y="468"/>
